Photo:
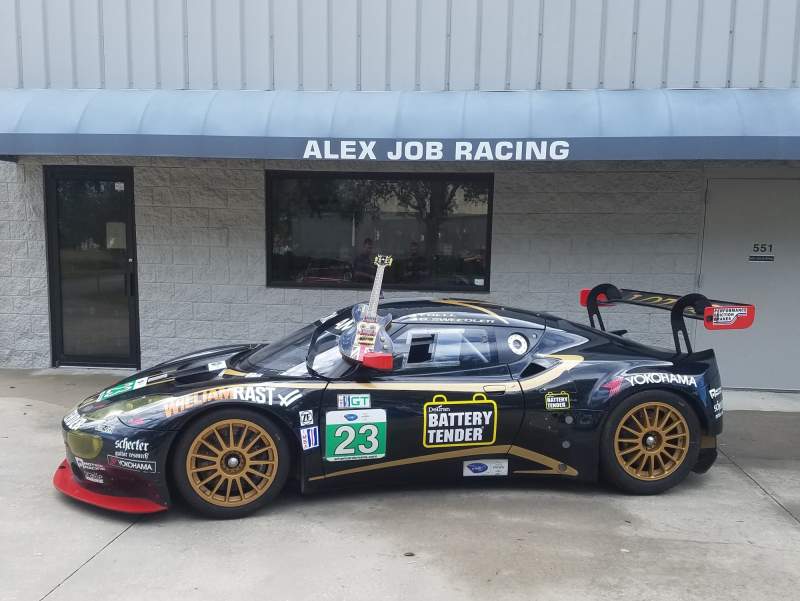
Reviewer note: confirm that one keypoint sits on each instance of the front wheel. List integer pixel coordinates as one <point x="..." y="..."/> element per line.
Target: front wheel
<point x="231" y="462"/>
<point x="650" y="442"/>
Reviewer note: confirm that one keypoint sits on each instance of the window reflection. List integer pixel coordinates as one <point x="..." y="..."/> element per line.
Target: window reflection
<point x="326" y="230"/>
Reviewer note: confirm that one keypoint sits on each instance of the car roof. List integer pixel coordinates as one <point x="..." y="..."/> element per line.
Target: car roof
<point x="462" y="311"/>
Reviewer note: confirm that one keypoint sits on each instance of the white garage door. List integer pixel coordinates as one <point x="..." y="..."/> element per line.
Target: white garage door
<point x="751" y="254"/>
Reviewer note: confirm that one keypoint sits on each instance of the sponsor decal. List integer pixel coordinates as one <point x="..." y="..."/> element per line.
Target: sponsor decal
<point x="73" y="420"/>
<point x="252" y="374"/>
<point x="613" y="386"/>
<point x="217" y="365"/>
<point x="306" y="418"/>
<point x="446" y="317"/>
<point x="134" y="465"/>
<point x="122" y="388"/>
<point x="310" y="438"/>
<point x="459" y="423"/>
<point x="137" y="445"/>
<point x="660" y="378"/>
<point x="716" y="395"/>
<point x="725" y="316"/>
<point x="486" y="467"/>
<point x="655" y="299"/>
<point x="132" y="449"/>
<point x="88" y="465"/>
<point x="353" y="401"/>
<point x="252" y="393"/>
<point x="557" y="401"/>
<point x="290" y="397"/>
<point x="437" y="150"/>
<point x="106" y="427"/>
<point x="355" y="435"/>
<point x="92" y="477"/>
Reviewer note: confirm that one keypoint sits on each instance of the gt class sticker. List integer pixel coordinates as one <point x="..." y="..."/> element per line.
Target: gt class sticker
<point x="355" y="434"/>
<point x="353" y="401"/>
<point x="459" y="423"/>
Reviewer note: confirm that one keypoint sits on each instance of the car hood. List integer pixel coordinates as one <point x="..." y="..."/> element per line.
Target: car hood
<point x="176" y="376"/>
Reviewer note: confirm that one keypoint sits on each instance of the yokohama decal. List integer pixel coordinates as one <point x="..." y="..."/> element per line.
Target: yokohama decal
<point x="660" y="378"/>
<point x="147" y="467"/>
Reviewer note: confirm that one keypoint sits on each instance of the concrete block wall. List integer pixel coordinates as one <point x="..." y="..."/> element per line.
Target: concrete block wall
<point x="24" y="312"/>
<point x="200" y="228"/>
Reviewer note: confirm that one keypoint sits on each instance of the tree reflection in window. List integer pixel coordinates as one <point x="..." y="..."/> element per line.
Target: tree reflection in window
<point x="325" y="230"/>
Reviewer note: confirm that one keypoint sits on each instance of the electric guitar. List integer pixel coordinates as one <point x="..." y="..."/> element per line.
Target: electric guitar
<point x="368" y="334"/>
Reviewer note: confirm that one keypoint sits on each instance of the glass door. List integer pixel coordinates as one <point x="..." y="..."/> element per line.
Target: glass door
<point x="92" y="262"/>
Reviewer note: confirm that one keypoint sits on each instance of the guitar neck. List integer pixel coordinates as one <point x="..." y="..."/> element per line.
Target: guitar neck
<point x="374" y="297"/>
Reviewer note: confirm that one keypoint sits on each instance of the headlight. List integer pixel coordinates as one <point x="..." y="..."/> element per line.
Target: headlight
<point x="117" y="408"/>
<point x="83" y="445"/>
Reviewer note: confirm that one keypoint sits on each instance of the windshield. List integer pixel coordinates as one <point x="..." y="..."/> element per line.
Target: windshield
<point x="287" y="357"/>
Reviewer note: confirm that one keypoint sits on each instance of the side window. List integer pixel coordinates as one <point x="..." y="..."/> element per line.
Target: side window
<point x="443" y="348"/>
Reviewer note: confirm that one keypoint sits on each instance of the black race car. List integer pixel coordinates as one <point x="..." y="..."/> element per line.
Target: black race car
<point x="470" y="390"/>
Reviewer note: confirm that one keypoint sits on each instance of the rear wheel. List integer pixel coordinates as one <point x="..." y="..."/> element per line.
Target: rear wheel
<point x="650" y="442"/>
<point x="229" y="463"/>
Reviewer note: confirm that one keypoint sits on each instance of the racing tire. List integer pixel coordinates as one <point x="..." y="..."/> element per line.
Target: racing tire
<point x="650" y="442"/>
<point x="230" y="463"/>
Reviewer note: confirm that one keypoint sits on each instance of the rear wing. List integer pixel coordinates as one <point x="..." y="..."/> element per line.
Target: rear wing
<point x="716" y="315"/>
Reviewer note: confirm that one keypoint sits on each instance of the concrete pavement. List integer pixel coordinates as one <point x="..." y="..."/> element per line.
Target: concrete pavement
<point x="733" y="533"/>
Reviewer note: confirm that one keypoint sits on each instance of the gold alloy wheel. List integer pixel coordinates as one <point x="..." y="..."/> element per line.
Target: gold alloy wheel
<point x="651" y="441"/>
<point x="232" y="462"/>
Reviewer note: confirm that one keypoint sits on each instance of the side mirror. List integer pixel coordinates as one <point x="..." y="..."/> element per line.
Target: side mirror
<point x="379" y="361"/>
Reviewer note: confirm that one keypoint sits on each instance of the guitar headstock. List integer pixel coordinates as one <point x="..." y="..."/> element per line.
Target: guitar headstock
<point x="383" y="260"/>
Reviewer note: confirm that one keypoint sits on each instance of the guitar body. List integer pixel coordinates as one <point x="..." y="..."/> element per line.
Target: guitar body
<point x="365" y="336"/>
<point x="368" y="333"/>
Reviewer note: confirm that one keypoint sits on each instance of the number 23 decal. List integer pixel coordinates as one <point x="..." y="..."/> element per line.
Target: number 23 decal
<point x="368" y="431"/>
<point x="356" y="434"/>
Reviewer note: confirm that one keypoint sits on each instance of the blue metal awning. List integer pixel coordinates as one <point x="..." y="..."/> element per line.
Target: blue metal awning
<point x="535" y="125"/>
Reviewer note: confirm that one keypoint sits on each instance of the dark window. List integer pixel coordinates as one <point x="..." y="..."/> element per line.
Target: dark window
<point x="325" y="229"/>
<point x="423" y="349"/>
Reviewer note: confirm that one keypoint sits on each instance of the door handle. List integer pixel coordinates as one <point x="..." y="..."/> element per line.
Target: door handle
<point x="495" y="388"/>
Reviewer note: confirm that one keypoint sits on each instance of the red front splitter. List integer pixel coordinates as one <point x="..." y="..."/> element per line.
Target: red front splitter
<point x="64" y="481"/>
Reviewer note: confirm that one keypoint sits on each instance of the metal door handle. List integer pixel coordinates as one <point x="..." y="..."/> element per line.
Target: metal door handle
<point x="495" y="388"/>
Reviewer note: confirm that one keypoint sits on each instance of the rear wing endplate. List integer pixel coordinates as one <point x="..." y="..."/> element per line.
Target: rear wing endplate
<point x="716" y="315"/>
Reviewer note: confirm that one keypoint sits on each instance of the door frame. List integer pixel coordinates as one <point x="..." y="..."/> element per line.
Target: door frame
<point x="124" y="174"/>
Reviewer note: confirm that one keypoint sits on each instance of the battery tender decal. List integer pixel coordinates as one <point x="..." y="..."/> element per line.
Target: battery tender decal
<point x="459" y="423"/>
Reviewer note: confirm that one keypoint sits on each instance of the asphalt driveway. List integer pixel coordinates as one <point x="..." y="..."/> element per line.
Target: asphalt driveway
<point x="733" y="533"/>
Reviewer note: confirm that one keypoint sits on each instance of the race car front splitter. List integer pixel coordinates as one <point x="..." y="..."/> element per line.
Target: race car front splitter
<point x="65" y="481"/>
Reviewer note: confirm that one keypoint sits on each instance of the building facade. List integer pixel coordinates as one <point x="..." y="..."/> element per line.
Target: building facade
<point x="195" y="174"/>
